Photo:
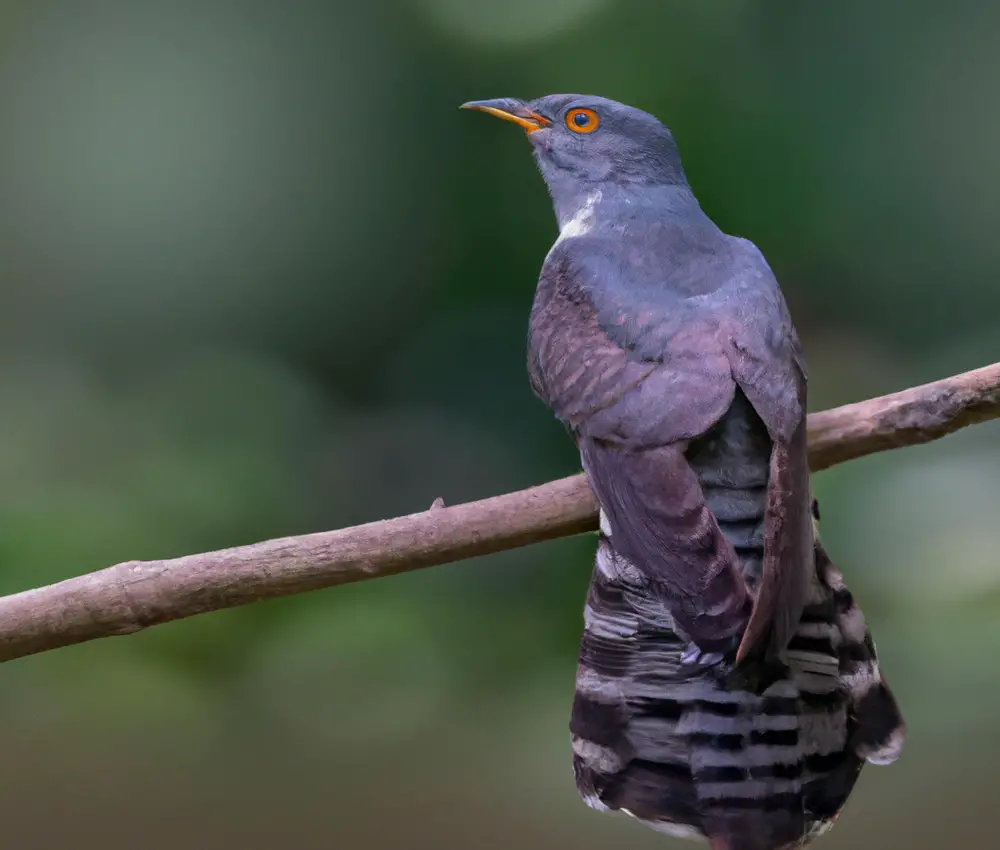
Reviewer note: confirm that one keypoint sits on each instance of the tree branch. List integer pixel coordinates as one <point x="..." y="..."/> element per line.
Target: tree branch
<point x="134" y="595"/>
<point x="907" y="418"/>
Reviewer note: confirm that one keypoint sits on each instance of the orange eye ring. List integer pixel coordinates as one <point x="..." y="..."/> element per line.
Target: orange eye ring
<point x="582" y="120"/>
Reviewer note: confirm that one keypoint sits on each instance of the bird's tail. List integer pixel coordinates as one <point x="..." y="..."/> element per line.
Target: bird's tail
<point x="709" y="753"/>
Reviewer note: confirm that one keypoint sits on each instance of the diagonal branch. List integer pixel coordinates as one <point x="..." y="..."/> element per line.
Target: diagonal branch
<point x="134" y="595"/>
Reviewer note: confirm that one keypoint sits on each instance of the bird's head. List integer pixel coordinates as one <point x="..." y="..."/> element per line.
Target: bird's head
<point x="584" y="143"/>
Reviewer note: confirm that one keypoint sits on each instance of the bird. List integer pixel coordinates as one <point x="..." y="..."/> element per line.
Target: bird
<point x="727" y="687"/>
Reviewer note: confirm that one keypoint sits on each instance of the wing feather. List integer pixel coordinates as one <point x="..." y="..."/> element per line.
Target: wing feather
<point x="660" y="522"/>
<point x="637" y="372"/>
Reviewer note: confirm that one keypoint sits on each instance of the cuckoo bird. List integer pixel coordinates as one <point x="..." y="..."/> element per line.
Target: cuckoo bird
<point x="728" y="686"/>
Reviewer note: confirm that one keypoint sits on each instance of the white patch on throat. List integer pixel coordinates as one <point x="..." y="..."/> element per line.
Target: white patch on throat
<point x="582" y="221"/>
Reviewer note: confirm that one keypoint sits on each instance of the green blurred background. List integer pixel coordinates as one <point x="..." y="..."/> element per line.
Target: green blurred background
<point x="261" y="277"/>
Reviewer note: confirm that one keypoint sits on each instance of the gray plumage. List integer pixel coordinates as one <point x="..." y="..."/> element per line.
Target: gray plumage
<point x="728" y="686"/>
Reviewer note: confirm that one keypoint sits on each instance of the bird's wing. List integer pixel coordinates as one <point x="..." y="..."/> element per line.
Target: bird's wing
<point x="637" y="379"/>
<point x="631" y="413"/>
<point x="634" y="385"/>
<point x="769" y="366"/>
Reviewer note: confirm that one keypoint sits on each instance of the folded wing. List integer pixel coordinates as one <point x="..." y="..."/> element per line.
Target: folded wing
<point x="635" y="375"/>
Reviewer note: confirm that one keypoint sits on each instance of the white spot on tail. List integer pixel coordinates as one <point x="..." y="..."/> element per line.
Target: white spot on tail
<point x="676" y="830"/>
<point x="863" y="679"/>
<point x="853" y="625"/>
<point x="597" y="758"/>
<point x="593" y="801"/>
<point x="889" y="751"/>
<point x="599" y="688"/>
<point x="833" y="578"/>
<point x="605" y="524"/>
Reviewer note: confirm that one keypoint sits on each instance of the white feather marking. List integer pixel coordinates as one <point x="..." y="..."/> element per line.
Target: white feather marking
<point x="853" y="625"/>
<point x="606" y="562"/>
<point x="888" y="752"/>
<point x="597" y="758"/>
<point x="596" y="687"/>
<point x="863" y="679"/>
<point x="677" y="830"/>
<point x="582" y="221"/>
<point x="834" y="580"/>
<point x="593" y="801"/>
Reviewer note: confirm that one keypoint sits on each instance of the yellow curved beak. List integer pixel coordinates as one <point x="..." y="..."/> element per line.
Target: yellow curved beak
<point x="510" y="110"/>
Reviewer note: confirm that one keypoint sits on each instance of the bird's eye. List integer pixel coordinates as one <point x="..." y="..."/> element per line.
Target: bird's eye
<point x="582" y="120"/>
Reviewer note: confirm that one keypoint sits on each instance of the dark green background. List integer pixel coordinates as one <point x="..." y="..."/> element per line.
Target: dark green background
<point x="261" y="277"/>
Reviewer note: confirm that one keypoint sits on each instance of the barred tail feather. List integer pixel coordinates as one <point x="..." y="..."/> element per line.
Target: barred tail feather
<point x="878" y="730"/>
<point x="709" y="752"/>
